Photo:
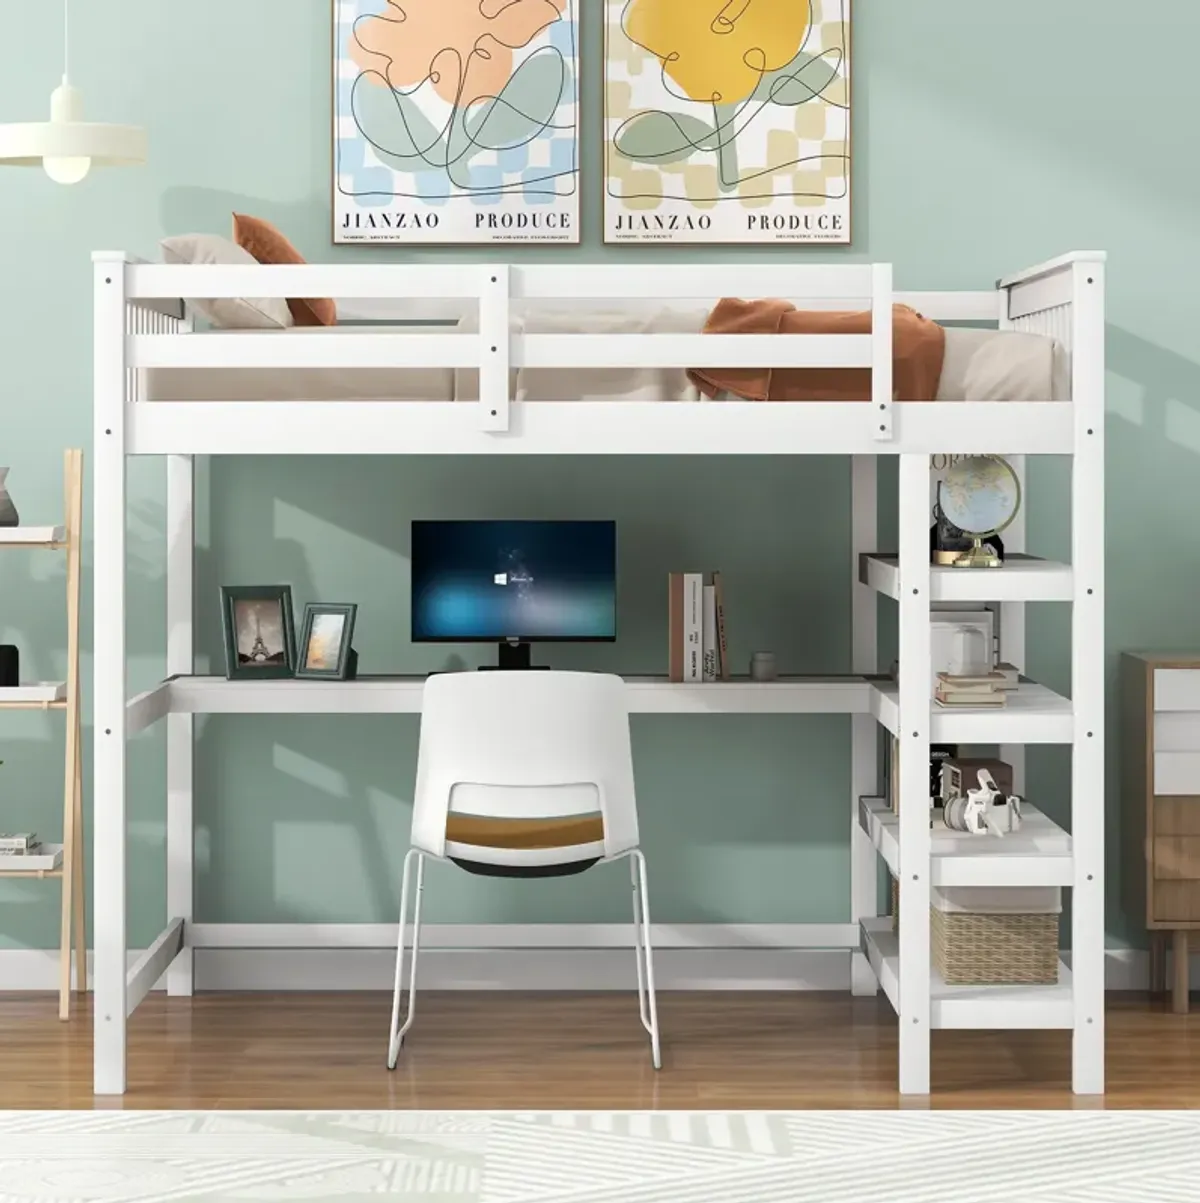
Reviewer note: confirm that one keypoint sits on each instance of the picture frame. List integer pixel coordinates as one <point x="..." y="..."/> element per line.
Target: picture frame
<point x="325" y="651"/>
<point x="455" y="125"/>
<point x="768" y="163"/>
<point x="260" y="637"/>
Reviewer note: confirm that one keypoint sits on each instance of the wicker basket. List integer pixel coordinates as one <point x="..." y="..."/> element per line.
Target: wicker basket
<point x="970" y="949"/>
<point x="994" y="950"/>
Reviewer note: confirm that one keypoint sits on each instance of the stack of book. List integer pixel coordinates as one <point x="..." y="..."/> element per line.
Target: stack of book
<point x="19" y="844"/>
<point x="696" y="625"/>
<point x="986" y="689"/>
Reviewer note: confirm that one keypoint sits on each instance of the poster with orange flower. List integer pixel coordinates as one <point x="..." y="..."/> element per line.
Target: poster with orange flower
<point x="727" y="121"/>
<point x="455" y="121"/>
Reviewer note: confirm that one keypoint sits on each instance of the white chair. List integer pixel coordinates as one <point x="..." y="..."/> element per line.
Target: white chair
<point x="525" y="774"/>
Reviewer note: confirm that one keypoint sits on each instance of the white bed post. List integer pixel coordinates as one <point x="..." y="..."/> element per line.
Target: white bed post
<point x="108" y="517"/>
<point x="913" y="725"/>
<point x="1088" y="677"/>
<point x="495" y="348"/>
<point x="181" y="546"/>
<point x="1012" y="614"/>
<point x="864" y="731"/>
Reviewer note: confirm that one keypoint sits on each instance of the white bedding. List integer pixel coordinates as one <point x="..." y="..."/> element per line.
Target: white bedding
<point x="980" y="365"/>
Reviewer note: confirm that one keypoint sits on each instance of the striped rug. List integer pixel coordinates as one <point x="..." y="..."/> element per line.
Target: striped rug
<point x="601" y="1157"/>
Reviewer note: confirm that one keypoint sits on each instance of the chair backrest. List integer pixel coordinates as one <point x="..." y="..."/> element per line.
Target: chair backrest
<point x="524" y="769"/>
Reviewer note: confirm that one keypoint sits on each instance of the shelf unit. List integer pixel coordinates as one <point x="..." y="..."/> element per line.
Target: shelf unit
<point x="140" y="323"/>
<point x="61" y="696"/>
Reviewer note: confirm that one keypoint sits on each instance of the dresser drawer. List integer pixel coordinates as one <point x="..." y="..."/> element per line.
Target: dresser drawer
<point x="1177" y="816"/>
<point x="1177" y="731"/>
<point x="1176" y="902"/>
<point x="1177" y="689"/>
<point x="1177" y="858"/>
<point x="1177" y="773"/>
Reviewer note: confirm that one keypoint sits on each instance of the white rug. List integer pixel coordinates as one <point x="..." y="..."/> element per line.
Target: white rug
<point x="601" y="1157"/>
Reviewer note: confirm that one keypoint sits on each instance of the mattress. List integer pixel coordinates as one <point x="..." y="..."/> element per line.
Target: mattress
<point x="980" y="365"/>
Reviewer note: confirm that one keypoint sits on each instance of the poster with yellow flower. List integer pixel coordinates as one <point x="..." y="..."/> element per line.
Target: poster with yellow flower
<point x="727" y="121"/>
<point x="455" y="121"/>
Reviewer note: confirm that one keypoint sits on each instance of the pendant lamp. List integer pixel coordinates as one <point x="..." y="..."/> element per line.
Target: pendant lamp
<point x="66" y="146"/>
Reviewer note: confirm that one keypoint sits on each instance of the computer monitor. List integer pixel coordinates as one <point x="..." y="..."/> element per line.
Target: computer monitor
<point x="514" y="583"/>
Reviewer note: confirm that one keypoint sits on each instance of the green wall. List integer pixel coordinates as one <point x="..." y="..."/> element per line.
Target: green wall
<point x="987" y="137"/>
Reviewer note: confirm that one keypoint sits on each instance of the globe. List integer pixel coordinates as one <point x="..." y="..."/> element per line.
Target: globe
<point x="980" y="495"/>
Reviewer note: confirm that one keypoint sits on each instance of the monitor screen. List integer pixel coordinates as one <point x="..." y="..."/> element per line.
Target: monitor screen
<point x="497" y="581"/>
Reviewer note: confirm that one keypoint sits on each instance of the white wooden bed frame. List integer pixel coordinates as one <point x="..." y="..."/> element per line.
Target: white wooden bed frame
<point x="140" y="323"/>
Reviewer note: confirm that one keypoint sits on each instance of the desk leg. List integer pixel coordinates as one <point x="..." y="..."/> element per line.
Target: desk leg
<point x="1179" y="990"/>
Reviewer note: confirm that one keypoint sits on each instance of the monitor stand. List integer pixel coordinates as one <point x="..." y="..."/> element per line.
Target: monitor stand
<point x="513" y="656"/>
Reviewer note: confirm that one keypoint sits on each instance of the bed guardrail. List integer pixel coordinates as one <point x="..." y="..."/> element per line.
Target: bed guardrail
<point x="1038" y="299"/>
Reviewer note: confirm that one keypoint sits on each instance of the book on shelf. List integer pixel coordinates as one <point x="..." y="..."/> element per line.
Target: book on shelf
<point x="709" y="640"/>
<point x="722" y="646"/>
<point x="982" y="697"/>
<point x="981" y="683"/>
<point x="675" y="626"/>
<point x="696" y="628"/>
<point x="693" y="627"/>
<point x="1010" y="677"/>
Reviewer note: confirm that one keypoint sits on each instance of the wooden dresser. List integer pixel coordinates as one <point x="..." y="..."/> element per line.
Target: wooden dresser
<point x="1160" y="802"/>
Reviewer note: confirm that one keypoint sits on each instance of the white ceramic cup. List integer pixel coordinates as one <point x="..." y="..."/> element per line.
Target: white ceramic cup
<point x="762" y="666"/>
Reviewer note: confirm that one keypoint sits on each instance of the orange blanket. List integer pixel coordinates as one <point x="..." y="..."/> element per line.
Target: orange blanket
<point x="919" y="349"/>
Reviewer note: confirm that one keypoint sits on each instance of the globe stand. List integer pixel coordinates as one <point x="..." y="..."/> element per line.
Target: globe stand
<point x="979" y="556"/>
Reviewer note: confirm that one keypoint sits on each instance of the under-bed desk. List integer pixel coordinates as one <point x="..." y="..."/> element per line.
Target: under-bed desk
<point x="142" y="327"/>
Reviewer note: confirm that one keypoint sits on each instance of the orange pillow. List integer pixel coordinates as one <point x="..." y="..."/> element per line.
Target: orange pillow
<point x="268" y="245"/>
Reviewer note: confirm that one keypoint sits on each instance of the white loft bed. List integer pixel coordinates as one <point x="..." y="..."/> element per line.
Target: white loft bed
<point x="140" y="325"/>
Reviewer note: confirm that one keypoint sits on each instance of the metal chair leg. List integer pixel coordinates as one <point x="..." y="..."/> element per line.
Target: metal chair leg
<point x="644" y="942"/>
<point x="396" y="1035"/>
<point x="637" y="943"/>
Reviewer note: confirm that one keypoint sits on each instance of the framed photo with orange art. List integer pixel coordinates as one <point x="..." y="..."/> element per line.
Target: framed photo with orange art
<point x="326" y="637"/>
<point x="727" y="121"/>
<point x="455" y="121"/>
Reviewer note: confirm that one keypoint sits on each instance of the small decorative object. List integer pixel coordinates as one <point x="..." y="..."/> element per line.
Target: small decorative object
<point x="325" y="637"/>
<point x="456" y="122"/>
<point x="961" y="773"/>
<point x="8" y="511"/>
<point x="762" y="666"/>
<point x="983" y="810"/>
<point x="10" y="666"/>
<point x="980" y="496"/>
<point x="727" y="123"/>
<point x="970" y="655"/>
<point x="259" y="636"/>
<point x="938" y="755"/>
<point x="947" y="542"/>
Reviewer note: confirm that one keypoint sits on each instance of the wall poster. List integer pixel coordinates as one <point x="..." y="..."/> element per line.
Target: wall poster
<point x="455" y="121"/>
<point x="727" y="121"/>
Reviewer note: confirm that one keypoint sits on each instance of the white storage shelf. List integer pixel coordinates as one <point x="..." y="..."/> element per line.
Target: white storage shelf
<point x="1033" y="714"/>
<point x="1037" y="855"/>
<point x="34" y="695"/>
<point x="46" y="861"/>
<point x="32" y="536"/>
<point x="974" y="1007"/>
<point x="1023" y="578"/>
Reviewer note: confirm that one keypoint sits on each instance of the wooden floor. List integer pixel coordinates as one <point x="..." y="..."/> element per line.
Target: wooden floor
<point x="500" y="1051"/>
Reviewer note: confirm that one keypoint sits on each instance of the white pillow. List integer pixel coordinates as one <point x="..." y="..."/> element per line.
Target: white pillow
<point x="232" y="313"/>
